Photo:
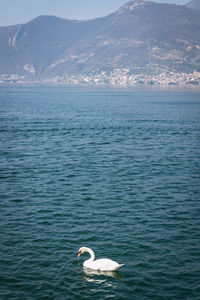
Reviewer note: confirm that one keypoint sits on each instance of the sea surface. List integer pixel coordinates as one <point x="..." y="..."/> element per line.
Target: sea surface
<point x="114" y="170"/>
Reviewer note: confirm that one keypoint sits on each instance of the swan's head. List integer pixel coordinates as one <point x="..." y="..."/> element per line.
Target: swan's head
<point x="81" y="250"/>
<point x="85" y="249"/>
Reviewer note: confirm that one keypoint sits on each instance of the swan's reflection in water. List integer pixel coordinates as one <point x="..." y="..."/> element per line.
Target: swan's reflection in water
<point x="91" y="275"/>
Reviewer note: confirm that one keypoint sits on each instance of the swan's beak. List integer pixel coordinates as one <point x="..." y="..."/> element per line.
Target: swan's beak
<point x="79" y="254"/>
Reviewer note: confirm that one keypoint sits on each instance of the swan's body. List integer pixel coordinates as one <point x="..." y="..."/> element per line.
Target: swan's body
<point x="103" y="264"/>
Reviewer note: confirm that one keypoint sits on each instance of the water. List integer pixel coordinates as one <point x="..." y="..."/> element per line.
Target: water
<point x="117" y="171"/>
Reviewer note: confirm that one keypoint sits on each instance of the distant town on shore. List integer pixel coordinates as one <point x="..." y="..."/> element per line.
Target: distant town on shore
<point x="117" y="78"/>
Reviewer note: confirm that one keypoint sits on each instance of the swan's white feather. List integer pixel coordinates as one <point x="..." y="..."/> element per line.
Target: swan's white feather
<point x="103" y="264"/>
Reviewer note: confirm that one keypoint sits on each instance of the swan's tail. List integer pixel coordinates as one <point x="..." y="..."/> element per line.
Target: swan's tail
<point x="121" y="265"/>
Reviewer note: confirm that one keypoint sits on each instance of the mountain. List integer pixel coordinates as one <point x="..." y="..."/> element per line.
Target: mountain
<point x="33" y="46"/>
<point x="142" y="37"/>
<point x="194" y="5"/>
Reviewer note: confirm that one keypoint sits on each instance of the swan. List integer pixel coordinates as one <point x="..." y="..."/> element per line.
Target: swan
<point x="103" y="264"/>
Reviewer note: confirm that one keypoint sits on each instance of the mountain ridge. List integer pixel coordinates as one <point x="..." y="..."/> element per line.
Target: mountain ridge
<point x="141" y="36"/>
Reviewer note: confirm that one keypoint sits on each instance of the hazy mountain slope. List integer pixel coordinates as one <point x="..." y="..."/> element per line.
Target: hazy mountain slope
<point x="33" y="46"/>
<point x="142" y="36"/>
<point x="194" y="5"/>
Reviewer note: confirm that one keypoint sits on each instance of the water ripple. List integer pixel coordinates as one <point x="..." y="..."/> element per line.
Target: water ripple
<point x="83" y="169"/>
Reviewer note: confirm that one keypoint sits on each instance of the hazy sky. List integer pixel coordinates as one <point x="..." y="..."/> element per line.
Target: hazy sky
<point x="22" y="11"/>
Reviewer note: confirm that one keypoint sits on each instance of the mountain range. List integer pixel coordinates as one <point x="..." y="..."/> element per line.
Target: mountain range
<point x="142" y="36"/>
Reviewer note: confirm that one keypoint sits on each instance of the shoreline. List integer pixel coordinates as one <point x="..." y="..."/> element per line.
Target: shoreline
<point x="136" y="88"/>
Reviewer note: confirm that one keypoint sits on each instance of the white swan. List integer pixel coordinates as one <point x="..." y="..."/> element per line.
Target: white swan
<point x="103" y="264"/>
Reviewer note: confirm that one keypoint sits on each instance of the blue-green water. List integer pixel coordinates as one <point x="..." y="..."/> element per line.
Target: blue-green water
<point x="117" y="171"/>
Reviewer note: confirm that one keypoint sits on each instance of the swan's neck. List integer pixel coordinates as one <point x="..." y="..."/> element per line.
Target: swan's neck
<point x="91" y="254"/>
